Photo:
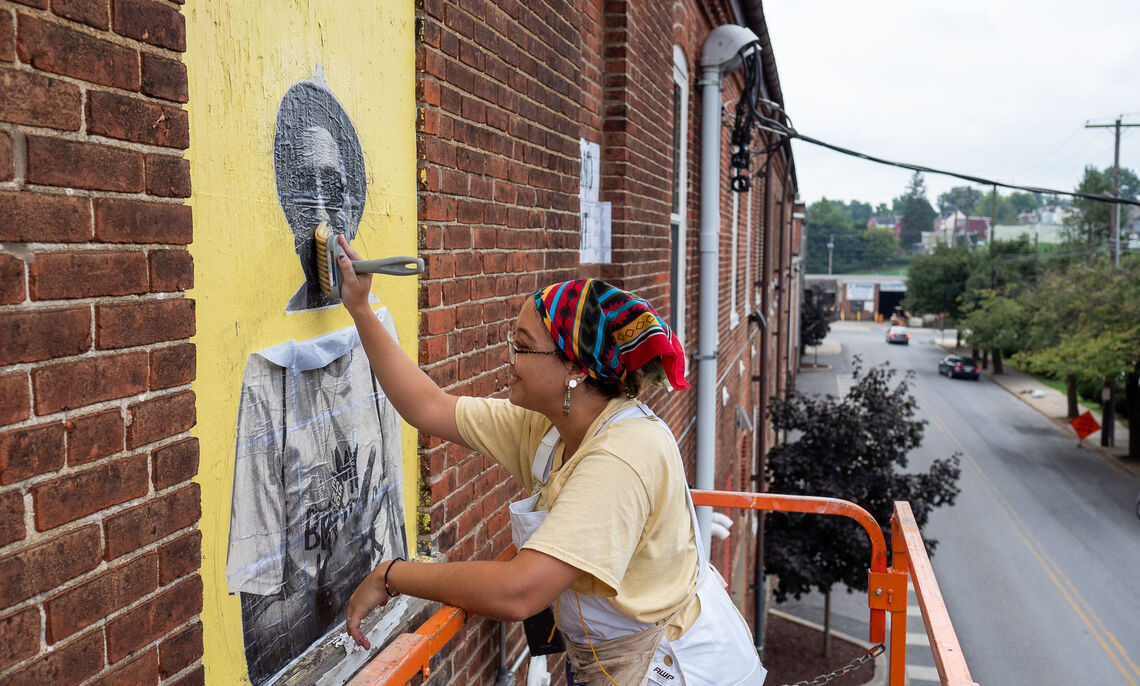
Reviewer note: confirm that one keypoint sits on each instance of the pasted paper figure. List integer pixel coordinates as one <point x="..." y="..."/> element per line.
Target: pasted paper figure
<point x="319" y="167"/>
<point x="317" y="501"/>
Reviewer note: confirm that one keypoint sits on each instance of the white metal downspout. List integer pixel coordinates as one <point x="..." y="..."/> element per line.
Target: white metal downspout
<point x="709" y="293"/>
<point x="720" y="54"/>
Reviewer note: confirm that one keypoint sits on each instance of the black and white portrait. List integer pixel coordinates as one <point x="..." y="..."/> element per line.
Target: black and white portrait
<point x="319" y="167"/>
<point x="317" y="499"/>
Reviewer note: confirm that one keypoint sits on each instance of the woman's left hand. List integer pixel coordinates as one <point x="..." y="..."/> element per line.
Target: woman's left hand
<point x="368" y="596"/>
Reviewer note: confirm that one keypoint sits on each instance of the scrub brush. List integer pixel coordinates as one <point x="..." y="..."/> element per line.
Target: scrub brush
<point x="329" y="273"/>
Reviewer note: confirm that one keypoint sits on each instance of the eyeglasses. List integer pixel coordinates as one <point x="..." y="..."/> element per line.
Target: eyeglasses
<point x="513" y="352"/>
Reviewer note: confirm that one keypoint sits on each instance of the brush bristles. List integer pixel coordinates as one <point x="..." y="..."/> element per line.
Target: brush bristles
<point x="321" y="235"/>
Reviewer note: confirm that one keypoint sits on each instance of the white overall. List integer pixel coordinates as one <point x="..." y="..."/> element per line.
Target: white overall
<point x="716" y="650"/>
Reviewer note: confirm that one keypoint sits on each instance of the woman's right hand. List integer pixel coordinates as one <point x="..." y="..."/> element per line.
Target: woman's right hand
<point x="368" y="596"/>
<point x="354" y="288"/>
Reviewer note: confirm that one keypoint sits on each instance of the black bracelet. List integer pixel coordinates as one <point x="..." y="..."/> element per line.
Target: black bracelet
<point x="386" y="570"/>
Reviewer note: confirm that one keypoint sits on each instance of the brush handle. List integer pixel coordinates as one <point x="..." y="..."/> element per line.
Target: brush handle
<point x="396" y="266"/>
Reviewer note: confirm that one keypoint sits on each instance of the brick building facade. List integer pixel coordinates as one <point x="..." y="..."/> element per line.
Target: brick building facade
<point x="100" y="545"/>
<point x="506" y="91"/>
<point x="99" y="548"/>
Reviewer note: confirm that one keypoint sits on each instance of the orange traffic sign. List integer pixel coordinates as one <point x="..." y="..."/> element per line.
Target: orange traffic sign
<point x="1085" y="425"/>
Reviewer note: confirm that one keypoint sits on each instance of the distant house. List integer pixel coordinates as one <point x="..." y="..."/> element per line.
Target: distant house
<point x="1130" y="223"/>
<point x="889" y="221"/>
<point x="1052" y="215"/>
<point x="947" y="229"/>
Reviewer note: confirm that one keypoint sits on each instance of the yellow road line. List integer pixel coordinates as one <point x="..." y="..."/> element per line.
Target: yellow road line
<point x="1047" y="563"/>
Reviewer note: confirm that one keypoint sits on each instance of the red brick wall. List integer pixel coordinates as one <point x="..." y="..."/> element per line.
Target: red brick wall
<point x="99" y="550"/>
<point x="505" y="89"/>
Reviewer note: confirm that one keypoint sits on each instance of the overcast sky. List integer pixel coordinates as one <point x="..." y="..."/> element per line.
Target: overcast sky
<point x="999" y="89"/>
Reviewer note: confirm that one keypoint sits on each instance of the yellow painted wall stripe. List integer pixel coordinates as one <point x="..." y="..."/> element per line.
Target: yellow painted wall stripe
<point x="241" y="59"/>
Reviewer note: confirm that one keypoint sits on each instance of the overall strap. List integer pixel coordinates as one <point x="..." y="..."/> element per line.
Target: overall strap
<point x="544" y="457"/>
<point x="544" y="454"/>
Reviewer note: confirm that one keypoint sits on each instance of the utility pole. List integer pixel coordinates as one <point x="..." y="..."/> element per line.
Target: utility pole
<point x="1115" y="185"/>
<point x="993" y="218"/>
<point x="1108" y="393"/>
<point x="830" y="250"/>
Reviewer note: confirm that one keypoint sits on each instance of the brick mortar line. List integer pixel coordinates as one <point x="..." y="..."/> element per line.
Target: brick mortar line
<point x="95" y="139"/>
<point x="441" y="23"/>
<point x="34" y="537"/>
<point x="91" y="194"/>
<point x="155" y="296"/>
<point x="91" y="247"/>
<point x="427" y="164"/>
<point x="100" y="625"/>
<point x="173" y="678"/>
<point x="424" y="77"/>
<point x="136" y="95"/>
<point x="86" y="87"/>
<point x="108" y="34"/>
<point x="46" y="648"/>
<point x="38" y="600"/>
<point x="104" y="141"/>
<point x="123" y="403"/>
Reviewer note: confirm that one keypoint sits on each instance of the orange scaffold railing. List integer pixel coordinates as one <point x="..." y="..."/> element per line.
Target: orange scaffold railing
<point x="410" y="654"/>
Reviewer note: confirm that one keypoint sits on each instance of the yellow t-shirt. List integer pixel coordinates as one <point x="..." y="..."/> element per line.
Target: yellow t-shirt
<point x="618" y="507"/>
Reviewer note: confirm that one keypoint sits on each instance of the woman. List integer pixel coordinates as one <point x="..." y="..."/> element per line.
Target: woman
<point x="608" y="538"/>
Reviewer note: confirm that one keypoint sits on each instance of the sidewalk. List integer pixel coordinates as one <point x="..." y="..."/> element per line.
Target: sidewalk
<point x="1053" y="404"/>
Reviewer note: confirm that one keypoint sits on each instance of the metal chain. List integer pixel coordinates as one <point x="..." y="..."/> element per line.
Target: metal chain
<point x="855" y="664"/>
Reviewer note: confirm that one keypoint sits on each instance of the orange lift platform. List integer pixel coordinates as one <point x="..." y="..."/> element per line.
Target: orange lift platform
<point x="409" y="655"/>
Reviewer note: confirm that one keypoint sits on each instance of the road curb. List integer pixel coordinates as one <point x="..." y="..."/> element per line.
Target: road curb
<point x="1109" y="454"/>
<point x="1111" y="457"/>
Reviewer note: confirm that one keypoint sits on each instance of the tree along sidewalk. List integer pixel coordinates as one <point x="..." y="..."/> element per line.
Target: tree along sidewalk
<point x="1053" y="404"/>
<point x="853" y="448"/>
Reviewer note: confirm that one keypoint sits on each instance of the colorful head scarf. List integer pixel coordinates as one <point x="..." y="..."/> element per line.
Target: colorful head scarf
<point x="607" y="331"/>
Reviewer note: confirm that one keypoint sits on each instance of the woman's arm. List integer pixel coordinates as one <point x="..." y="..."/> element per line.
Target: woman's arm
<point x="505" y="591"/>
<point x="412" y="392"/>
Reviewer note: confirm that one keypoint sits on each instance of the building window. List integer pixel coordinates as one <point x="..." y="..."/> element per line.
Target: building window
<point x="680" y="192"/>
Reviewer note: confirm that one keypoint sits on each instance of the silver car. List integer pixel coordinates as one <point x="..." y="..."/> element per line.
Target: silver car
<point x="898" y="334"/>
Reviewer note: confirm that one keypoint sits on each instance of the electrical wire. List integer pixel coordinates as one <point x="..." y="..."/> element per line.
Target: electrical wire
<point x="793" y="134"/>
<point x="747" y="118"/>
<point x="1049" y="157"/>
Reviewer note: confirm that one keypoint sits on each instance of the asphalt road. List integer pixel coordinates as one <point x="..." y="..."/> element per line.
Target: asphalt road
<point x="1037" y="560"/>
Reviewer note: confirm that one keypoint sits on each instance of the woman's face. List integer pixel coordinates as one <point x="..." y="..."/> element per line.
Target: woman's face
<point x="536" y="381"/>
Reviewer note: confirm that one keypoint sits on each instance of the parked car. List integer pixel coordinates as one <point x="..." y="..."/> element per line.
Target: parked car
<point x="958" y="367"/>
<point x="898" y="334"/>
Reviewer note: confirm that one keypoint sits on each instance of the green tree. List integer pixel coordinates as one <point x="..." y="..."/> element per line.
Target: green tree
<point x="1026" y="202"/>
<point x="859" y="211"/>
<point x="1091" y="220"/>
<point x="1084" y="327"/>
<point x="878" y="247"/>
<point x="960" y="198"/>
<point x="996" y="323"/>
<point x="1006" y="210"/>
<point x="824" y="220"/>
<point x="917" y="214"/>
<point x="1005" y="268"/>
<point x="815" y="321"/>
<point x="936" y="282"/>
<point x="854" y="448"/>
